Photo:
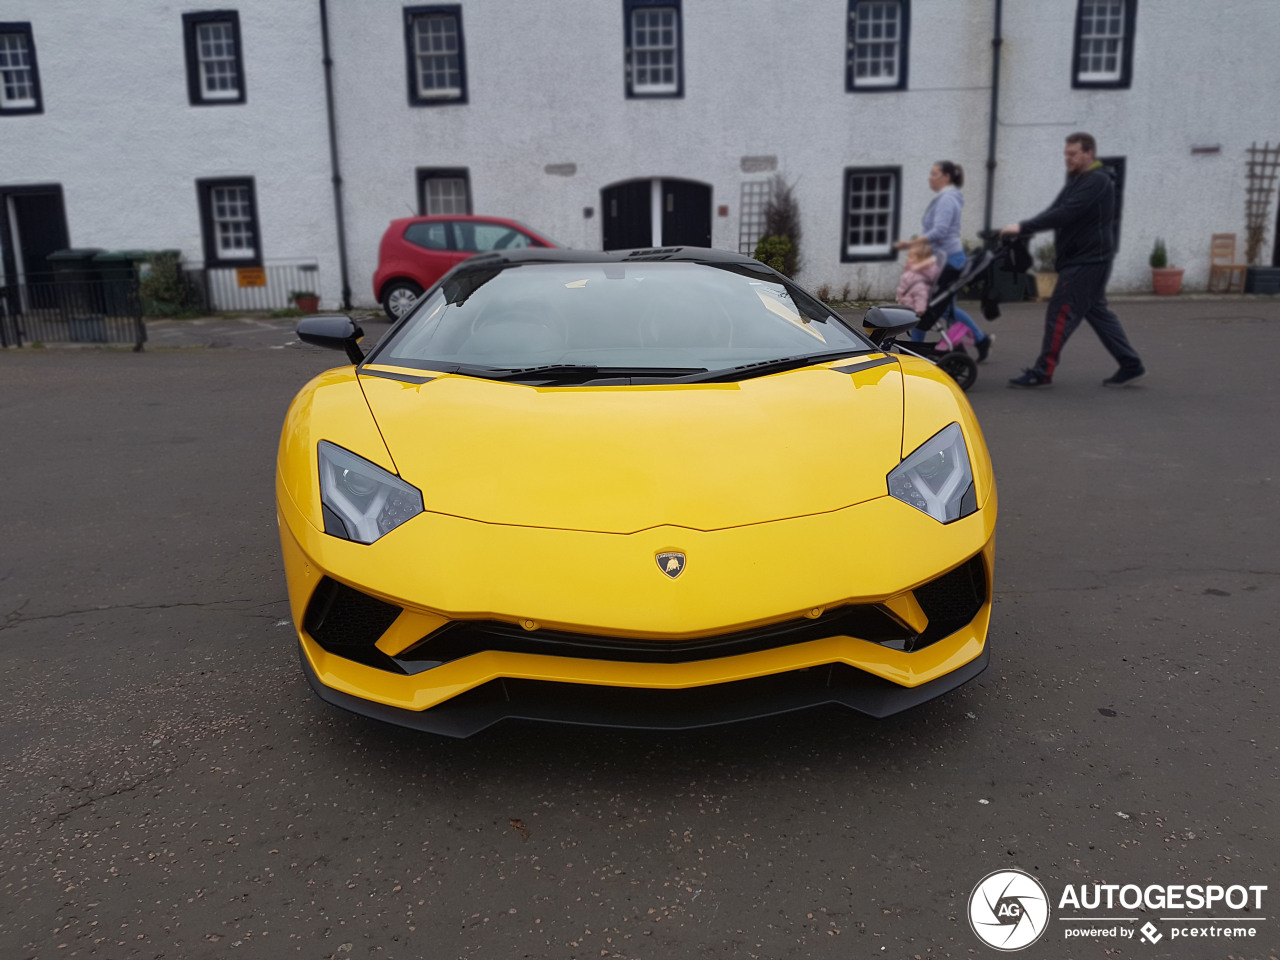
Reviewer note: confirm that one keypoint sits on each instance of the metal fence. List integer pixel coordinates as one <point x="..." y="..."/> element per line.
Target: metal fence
<point x="49" y="309"/>
<point x="268" y="287"/>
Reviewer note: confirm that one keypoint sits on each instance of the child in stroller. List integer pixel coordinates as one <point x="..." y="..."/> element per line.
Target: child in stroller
<point x="933" y="303"/>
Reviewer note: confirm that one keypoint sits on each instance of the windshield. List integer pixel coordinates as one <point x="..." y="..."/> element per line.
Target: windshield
<point x="668" y="318"/>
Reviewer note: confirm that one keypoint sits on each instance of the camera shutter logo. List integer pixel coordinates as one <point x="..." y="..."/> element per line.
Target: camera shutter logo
<point x="1009" y="910"/>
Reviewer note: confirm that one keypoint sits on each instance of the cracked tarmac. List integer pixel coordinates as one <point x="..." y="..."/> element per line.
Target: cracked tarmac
<point x="173" y="789"/>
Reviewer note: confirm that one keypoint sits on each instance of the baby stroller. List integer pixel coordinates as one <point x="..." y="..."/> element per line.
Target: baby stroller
<point x="980" y="274"/>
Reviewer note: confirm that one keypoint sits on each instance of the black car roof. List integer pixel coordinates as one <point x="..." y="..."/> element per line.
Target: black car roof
<point x="563" y="255"/>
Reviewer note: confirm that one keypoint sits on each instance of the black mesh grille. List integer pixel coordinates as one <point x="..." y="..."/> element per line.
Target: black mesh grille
<point x="465" y="637"/>
<point x="952" y="600"/>
<point x="347" y="622"/>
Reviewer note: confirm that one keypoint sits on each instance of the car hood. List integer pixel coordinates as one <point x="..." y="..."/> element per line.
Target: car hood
<point x="624" y="459"/>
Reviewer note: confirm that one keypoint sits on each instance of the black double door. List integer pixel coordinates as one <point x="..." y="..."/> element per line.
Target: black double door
<point x="683" y="210"/>
<point x="33" y="224"/>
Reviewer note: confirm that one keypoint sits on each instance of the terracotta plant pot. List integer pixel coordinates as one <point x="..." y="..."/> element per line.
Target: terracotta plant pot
<point x="308" y="304"/>
<point x="1166" y="280"/>
<point x="1045" y="282"/>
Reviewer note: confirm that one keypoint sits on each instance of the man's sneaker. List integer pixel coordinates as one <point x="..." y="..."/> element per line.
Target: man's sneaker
<point x="984" y="346"/>
<point x="1031" y="378"/>
<point x="1125" y="377"/>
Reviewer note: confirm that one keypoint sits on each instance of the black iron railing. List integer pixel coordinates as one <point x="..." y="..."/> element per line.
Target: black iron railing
<point x="53" y="309"/>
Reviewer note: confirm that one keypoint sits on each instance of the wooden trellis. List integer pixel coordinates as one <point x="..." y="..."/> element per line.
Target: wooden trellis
<point x="1264" y="162"/>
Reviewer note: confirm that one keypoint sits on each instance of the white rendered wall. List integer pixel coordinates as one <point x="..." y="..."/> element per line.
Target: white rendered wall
<point x="545" y="83"/>
<point x="119" y="134"/>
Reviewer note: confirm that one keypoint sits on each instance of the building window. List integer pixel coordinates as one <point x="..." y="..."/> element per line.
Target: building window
<point x="19" y="77"/>
<point x="436" y="59"/>
<point x="752" y="204"/>
<point x="229" y="222"/>
<point x="654" y="62"/>
<point x="871" y="213"/>
<point x="215" y="65"/>
<point x="443" y="191"/>
<point x="877" y="45"/>
<point x="1104" y="43"/>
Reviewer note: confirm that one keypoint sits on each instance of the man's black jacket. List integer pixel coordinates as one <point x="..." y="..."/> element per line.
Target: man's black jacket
<point x="1082" y="218"/>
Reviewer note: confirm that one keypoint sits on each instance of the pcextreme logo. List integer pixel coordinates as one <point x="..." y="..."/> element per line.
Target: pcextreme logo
<point x="1009" y="910"/>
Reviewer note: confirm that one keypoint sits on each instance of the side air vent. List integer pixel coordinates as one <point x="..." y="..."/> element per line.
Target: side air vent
<point x="952" y="600"/>
<point x="348" y="623"/>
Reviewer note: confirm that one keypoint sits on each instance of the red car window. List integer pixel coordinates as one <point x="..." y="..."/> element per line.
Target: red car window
<point x="483" y="237"/>
<point x="430" y="236"/>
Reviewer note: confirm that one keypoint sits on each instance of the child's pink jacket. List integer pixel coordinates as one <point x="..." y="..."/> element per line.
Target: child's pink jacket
<point x="917" y="281"/>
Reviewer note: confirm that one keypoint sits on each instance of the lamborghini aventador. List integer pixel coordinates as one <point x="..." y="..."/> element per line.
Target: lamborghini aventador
<point x="657" y="488"/>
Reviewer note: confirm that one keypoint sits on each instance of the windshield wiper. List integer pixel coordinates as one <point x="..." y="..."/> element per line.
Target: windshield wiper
<point x="762" y="367"/>
<point x="584" y="372"/>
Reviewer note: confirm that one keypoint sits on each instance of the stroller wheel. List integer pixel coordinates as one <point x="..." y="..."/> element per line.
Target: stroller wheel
<point x="960" y="367"/>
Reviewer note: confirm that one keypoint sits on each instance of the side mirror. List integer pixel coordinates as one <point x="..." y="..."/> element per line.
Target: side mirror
<point x="887" y="320"/>
<point x="335" y="331"/>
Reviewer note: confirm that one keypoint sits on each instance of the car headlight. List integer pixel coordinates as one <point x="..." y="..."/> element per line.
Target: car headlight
<point x="936" y="479"/>
<point x="360" y="500"/>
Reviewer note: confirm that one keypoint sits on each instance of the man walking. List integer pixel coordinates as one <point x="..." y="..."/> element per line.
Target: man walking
<point x="1083" y="220"/>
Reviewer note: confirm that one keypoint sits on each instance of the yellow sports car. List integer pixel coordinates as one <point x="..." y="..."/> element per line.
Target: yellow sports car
<point x="657" y="489"/>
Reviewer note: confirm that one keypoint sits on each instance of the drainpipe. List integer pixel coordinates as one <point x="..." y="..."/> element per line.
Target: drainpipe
<point x="333" y="157"/>
<point x="996" y="42"/>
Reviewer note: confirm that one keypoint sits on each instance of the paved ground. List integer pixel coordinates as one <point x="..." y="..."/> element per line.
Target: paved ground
<point x="172" y="788"/>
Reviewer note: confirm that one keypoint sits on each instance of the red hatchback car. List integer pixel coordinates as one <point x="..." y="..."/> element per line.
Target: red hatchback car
<point x="417" y="251"/>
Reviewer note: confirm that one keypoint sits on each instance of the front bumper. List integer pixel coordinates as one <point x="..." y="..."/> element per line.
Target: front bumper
<point x="708" y="663"/>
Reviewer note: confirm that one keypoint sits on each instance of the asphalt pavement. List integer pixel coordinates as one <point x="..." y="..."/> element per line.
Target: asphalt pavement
<point x="173" y="789"/>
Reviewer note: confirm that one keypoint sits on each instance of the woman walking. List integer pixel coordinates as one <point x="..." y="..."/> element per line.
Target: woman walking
<point x="941" y="224"/>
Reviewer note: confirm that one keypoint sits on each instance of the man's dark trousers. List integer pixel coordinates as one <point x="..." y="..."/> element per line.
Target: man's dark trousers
<point x="1081" y="294"/>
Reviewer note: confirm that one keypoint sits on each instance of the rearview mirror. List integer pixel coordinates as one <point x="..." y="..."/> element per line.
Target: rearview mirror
<point x="887" y="320"/>
<point x="335" y="331"/>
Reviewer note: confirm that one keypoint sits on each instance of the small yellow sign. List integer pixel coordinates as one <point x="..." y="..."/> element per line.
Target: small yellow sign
<point x="251" y="277"/>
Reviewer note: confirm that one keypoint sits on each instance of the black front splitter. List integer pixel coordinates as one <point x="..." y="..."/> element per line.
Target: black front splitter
<point x="636" y="708"/>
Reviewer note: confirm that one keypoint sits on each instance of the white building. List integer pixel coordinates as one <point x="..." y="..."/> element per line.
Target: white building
<point x="607" y="123"/>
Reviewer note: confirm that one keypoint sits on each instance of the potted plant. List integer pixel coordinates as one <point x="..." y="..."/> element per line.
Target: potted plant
<point x="1166" y="280"/>
<point x="305" y="300"/>
<point x="1046" y="276"/>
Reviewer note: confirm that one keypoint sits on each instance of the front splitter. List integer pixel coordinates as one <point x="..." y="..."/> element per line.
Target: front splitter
<point x="649" y="709"/>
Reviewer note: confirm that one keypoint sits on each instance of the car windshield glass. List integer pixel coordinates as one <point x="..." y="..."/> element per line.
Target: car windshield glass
<point x="620" y="317"/>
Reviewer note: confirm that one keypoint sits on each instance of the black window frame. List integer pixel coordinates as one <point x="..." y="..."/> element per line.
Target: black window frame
<point x="1125" y="80"/>
<point x="411" y="16"/>
<point x="423" y="174"/>
<point x="212" y="257"/>
<point x="904" y="51"/>
<point x="628" y="6"/>
<point x="894" y="227"/>
<point x="24" y="28"/>
<point x="191" y="23"/>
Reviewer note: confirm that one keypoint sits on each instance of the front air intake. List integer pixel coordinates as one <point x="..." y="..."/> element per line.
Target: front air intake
<point x="952" y="600"/>
<point x="349" y="623"/>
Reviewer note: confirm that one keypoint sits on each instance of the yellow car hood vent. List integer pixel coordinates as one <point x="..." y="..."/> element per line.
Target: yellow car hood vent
<point x="618" y="459"/>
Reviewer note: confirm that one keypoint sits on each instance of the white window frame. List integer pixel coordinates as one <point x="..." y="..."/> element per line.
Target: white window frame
<point x="206" y="64"/>
<point x="645" y="23"/>
<point x="870" y="47"/>
<point x="444" y="60"/>
<point x="753" y="201"/>
<point x="886" y="196"/>
<point x="18" y="71"/>
<point x="1102" y="35"/>
<point x="230" y="226"/>
<point x="443" y="196"/>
